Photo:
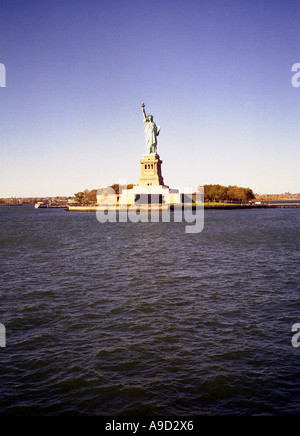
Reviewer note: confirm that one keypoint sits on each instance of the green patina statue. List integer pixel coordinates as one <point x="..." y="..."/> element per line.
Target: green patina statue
<point x="151" y="132"/>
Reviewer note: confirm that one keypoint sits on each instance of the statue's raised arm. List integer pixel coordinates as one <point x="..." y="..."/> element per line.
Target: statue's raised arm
<point x="143" y="110"/>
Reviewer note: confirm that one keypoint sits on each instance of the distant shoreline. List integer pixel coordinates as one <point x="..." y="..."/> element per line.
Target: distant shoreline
<point x="207" y="206"/>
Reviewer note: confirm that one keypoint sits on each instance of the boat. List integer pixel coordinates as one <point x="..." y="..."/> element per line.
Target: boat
<point x="40" y="204"/>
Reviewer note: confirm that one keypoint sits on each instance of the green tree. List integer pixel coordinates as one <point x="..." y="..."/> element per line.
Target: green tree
<point x="91" y="196"/>
<point x="233" y="193"/>
<point x="79" y="197"/>
<point x="215" y="193"/>
<point x="239" y="194"/>
<point x="249" y="194"/>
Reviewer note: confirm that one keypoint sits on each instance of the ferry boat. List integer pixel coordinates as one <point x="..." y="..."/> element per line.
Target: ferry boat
<point x="40" y="204"/>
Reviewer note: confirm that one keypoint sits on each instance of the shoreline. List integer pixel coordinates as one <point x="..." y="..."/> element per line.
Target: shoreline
<point x="172" y="208"/>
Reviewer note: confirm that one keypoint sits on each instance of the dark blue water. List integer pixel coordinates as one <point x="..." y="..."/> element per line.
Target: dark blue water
<point x="144" y="319"/>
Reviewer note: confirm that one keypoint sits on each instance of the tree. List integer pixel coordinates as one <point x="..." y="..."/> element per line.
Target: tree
<point x="116" y="187"/>
<point x="79" y="197"/>
<point x="233" y="193"/>
<point x="217" y="193"/>
<point x="91" y="196"/>
<point x="236" y="193"/>
<point x="249" y="194"/>
<point x="86" y="196"/>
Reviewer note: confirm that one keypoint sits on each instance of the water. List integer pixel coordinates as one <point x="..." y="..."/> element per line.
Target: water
<point x="144" y="319"/>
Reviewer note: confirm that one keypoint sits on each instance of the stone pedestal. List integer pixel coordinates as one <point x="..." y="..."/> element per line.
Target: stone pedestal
<point x="151" y="171"/>
<point x="150" y="189"/>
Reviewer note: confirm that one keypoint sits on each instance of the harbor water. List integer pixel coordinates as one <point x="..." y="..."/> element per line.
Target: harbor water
<point x="145" y="319"/>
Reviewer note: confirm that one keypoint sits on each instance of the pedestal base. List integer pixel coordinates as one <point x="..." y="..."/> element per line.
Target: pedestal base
<point x="147" y="194"/>
<point x="150" y="190"/>
<point x="151" y="171"/>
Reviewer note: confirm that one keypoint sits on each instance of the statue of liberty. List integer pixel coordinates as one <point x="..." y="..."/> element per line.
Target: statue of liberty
<point x="151" y="132"/>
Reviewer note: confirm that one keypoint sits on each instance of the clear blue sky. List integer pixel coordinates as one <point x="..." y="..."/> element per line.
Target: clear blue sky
<point x="216" y="75"/>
